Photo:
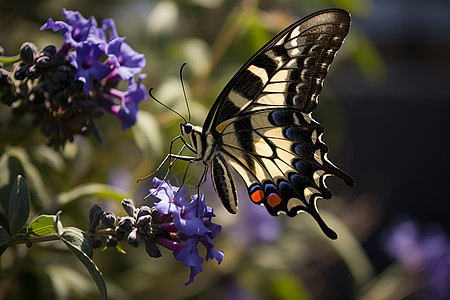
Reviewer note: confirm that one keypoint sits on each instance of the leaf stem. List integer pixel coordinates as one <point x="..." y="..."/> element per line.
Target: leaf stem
<point x="53" y="237"/>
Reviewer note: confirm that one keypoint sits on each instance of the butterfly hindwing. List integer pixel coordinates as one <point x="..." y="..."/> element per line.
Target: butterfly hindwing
<point x="261" y="123"/>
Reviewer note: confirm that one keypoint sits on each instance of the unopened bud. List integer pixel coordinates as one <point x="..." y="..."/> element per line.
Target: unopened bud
<point x="126" y="224"/>
<point x="28" y="52"/>
<point x="128" y="206"/>
<point x="134" y="238"/>
<point x="109" y="220"/>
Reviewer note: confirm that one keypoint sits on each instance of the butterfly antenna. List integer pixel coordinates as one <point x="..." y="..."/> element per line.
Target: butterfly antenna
<point x="153" y="97"/>
<point x="184" y="91"/>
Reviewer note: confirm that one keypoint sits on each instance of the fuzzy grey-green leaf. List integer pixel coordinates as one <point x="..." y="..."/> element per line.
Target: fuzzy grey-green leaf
<point x="19" y="205"/>
<point x="80" y="244"/>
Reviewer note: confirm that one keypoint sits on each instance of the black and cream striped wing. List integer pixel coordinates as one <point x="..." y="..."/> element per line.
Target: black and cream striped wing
<point x="261" y="123"/>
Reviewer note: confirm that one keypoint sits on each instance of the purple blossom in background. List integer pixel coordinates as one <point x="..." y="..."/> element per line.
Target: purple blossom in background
<point x="191" y="222"/>
<point x="425" y="252"/>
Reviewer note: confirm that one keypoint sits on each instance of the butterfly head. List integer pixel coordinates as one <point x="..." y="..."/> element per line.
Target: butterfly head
<point x="191" y="132"/>
<point x="186" y="129"/>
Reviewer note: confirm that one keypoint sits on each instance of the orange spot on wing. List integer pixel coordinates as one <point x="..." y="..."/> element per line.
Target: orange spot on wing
<point x="273" y="200"/>
<point x="257" y="196"/>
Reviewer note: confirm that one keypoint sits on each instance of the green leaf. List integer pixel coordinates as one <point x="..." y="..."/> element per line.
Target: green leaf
<point x="48" y="156"/>
<point x="91" y="189"/>
<point x="19" y="205"/>
<point x="42" y="225"/>
<point x="6" y="180"/>
<point x="4" y="236"/>
<point x="31" y="172"/>
<point x="80" y="244"/>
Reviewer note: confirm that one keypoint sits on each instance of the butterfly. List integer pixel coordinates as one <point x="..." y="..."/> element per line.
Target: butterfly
<point x="261" y="124"/>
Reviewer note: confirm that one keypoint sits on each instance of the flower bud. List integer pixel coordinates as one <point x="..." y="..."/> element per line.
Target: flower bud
<point x="58" y="60"/>
<point x="128" y="206"/>
<point x="126" y="223"/>
<point x="120" y="235"/>
<point x="95" y="215"/>
<point x="143" y="211"/>
<point x="33" y="72"/>
<point x="145" y="230"/>
<point x="49" y="50"/>
<point x="28" y="52"/>
<point x="109" y="220"/>
<point x="96" y="242"/>
<point x="43" y="62"/>
<point x="111" y="242"/>
<point x="19" y="72"/>
<point x="4" y="78"/>
<point x="134" y="238"/>
<point x="151" y="249"/>
<point x="143" y="220"/>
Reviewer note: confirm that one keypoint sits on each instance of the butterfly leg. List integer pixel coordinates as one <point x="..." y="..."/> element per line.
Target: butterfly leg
<point x="171" y="162"/>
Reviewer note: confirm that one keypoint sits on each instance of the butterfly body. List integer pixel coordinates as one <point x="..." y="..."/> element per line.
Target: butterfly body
<point x="261" y="124"/>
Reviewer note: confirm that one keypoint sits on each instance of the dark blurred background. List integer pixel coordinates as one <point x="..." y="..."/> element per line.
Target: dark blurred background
<point x="397" y="123"/>
<point x="384" y="105"/>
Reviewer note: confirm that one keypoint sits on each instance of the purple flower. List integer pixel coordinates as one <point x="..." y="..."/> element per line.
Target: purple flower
<point x="191" y="222"/>
<point x="424" y="252"/>
<point x="108" y="24"/>
<point x="127" y="61"/>
<point x="127" y="111"/>
<point x="76" y="29"/>
<point x="86" y="61"/>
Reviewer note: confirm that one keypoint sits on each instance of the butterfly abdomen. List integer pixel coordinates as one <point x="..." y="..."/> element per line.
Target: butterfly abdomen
<point x="223" y="182"/>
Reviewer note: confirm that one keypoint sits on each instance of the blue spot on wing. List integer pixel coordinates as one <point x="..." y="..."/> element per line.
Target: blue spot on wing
<point x="286" y="190"/>
<point x="269" y="188"/>
<point x="281" y="118"/>
<point x="299" y="182"/>
<point x="254" y="188"/>
<point x="303" y="167"/>
<point x="299" y="134"/>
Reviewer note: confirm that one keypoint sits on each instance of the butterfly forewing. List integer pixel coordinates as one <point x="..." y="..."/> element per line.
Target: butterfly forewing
<point x="298" y="58"/>
<point x="261" y="123"/>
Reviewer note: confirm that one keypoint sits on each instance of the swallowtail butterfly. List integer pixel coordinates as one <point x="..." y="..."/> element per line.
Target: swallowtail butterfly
<point x="261" y="124"/>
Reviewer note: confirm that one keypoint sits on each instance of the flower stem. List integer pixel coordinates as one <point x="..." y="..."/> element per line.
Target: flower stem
<point x="53" y="237"/>
<point x="9" y="59"/>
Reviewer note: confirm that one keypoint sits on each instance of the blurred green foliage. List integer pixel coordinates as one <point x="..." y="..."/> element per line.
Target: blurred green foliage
<point x="215" y="38"/>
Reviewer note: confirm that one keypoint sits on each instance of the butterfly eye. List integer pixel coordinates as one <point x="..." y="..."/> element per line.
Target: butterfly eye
<point x="186" y="128"/>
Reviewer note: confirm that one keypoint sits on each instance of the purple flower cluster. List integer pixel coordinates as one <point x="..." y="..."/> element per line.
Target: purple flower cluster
<point x="423" y="252"/>
<point x="64" y="89"/>
<point x="190" y="222"/>
<point x="173" y="223"/>
<point x="122" y="63"/>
